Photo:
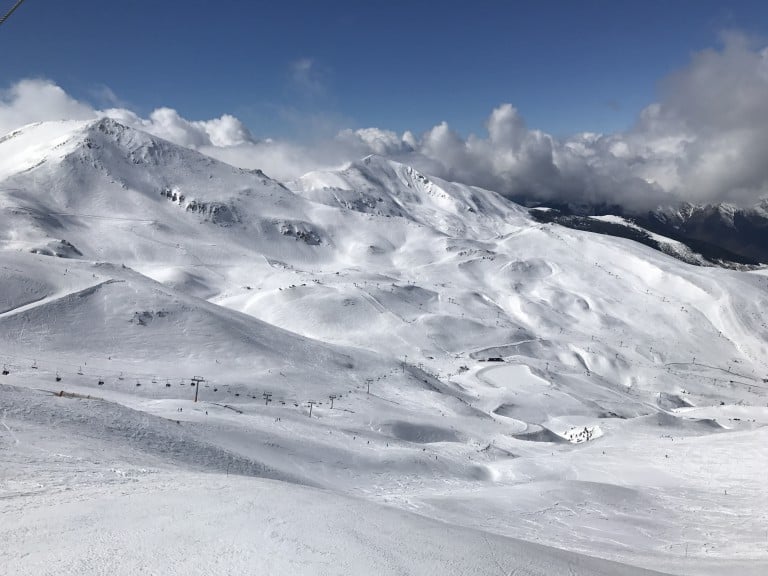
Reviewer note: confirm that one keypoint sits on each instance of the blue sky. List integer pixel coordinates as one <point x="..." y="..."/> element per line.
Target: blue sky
<point x="302" y="69"/>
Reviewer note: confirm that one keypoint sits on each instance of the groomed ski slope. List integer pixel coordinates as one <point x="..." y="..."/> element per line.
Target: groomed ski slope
<point x="99" y="503"/>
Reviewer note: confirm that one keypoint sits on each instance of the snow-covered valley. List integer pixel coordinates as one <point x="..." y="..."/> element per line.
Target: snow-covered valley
<point x="400" y="375"/>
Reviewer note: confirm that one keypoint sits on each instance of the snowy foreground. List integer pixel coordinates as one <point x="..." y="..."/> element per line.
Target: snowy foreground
<point x="123" y="513"/>
<point x="401" y="376"/>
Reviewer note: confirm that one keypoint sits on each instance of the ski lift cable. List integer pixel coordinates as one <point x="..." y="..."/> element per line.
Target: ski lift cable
<point x="60" y="368"/>
<point x="62" y="373"/>
<point x="19" y="362"/>
<point x="11" y="11"/>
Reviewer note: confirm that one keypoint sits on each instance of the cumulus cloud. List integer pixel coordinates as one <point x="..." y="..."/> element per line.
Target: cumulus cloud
<point x="167" y="123"/>
<point x="717" y="111"/>
<point x="375" y="141"/>
<point x="704" y="140"/>
<point x="37" y="100"/>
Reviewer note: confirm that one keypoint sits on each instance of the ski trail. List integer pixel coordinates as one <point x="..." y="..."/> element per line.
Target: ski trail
<point x="8" y="428"/>
<point x="56" y="297"/>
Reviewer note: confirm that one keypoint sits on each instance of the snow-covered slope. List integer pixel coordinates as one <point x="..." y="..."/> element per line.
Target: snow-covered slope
<point x="375" y="185"/>
<point x="724" y="230"/>
<point x="381" y="337"/>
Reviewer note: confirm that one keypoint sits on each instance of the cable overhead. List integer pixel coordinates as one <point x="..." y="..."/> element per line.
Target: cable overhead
<point x="11" y="11"/>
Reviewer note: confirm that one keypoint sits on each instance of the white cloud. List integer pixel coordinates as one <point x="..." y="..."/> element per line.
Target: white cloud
<point x="375" y="141"/>
<point x="706" y="139"/>
<point x="167" y="123"/>
<point x="718" y="109"/>
<point x="37" y="100"/>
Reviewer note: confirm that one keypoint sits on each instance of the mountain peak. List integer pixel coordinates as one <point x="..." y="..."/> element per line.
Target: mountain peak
<point x="384" y="187"/>
<point x="34" y="144"/>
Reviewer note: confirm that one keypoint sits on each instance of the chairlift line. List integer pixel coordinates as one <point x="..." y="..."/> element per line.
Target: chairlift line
<point x="72" y="369"/>
<point x="18" y="362"/>
<point x="11" y="11"/>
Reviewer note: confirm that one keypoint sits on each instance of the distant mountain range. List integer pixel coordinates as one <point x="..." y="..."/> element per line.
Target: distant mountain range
<point x="720" y="234"/>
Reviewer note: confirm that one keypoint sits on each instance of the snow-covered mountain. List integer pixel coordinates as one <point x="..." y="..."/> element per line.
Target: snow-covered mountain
<point x="706" y="234"/>
<point x="378" y="186"/>
<point x="725" y="230"/>
<point x="378" y="336"/>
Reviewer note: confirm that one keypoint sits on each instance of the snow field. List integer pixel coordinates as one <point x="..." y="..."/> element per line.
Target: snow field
<point x="526" y="381"/>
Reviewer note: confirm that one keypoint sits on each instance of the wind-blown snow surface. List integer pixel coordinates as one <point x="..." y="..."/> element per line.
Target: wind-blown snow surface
<point x="626" y="421"/>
